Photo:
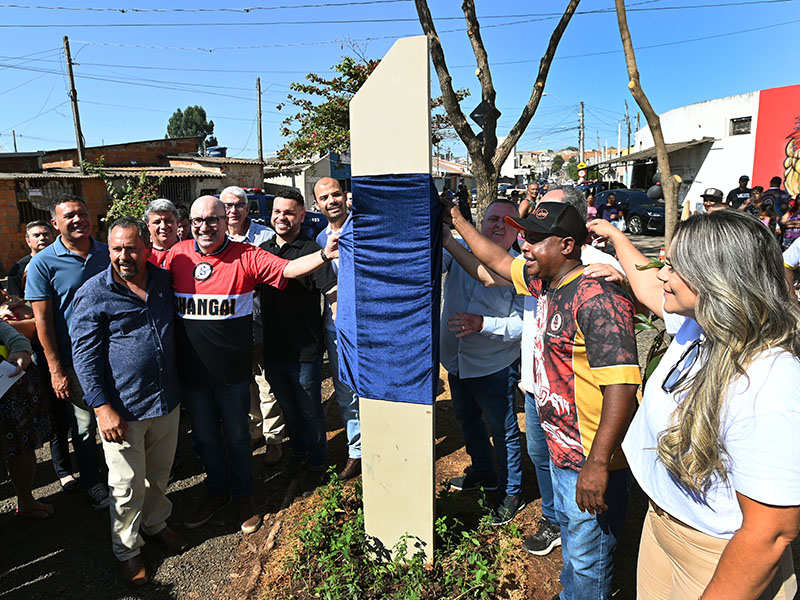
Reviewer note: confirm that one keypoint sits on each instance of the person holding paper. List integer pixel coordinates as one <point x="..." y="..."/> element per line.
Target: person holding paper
<point x="24" y="419"/>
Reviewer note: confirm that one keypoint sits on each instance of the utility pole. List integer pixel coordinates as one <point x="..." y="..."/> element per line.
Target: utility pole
<point x="73" y="96"/>
<point x="628" y="147"/>
<point x="581" y="135"/>
<point x="260" y="146"/>
<point x="14" y="134"/>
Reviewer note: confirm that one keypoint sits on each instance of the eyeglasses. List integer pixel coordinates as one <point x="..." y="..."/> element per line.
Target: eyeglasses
<point x="229" y="206"/>
<point x="680" y="370"/>
<point x="211" y="221"/>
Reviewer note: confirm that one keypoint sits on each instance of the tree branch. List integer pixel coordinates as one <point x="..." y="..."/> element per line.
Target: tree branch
<point x="538" y="88"/>
<point x="488" y="93"/>
<point x="449" y="97"/>
<point x="669" y="183"/>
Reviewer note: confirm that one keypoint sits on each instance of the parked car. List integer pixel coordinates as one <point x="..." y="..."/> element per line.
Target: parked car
<point x="595" y="187"/>
<point x="519" y="188"/>
<point x="642" y="215"/>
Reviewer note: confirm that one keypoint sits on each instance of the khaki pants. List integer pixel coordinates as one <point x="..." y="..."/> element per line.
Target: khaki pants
<point x="265" y="416"/>
<point x="676" y="562"/>
<point x="138" y="473"/>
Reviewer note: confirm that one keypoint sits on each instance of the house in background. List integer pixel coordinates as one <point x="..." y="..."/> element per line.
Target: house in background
<point x="450" y="173"/>
<point x="713" y="143"/>
<point x="31" y="181"/>
<point x="304" y="175"/>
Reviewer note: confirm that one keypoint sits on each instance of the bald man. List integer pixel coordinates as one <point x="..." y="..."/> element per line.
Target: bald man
<point x="213" y="279"/>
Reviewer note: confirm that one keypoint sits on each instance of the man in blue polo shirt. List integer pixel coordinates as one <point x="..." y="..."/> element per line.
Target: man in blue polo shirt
<point x="123" y="335"/>
<point x="54" y="275"/>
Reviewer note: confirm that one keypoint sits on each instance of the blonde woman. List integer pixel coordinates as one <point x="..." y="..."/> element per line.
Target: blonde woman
<point x="714" y="443"/>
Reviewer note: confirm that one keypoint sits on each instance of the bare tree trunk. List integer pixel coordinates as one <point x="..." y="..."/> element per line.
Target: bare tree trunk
<point x="670" y="183"/>
<point x="487" y="157"/>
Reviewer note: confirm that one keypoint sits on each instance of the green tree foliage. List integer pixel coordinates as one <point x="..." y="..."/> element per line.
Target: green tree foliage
<point x="190" y="122"/>
<point x="129" y="199"/>
<point x="558" y="162"/>
<point x="572" y="168"/>
<point x="321" y="121"/>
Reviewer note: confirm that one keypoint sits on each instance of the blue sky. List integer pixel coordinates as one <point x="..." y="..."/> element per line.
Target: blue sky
<point x="127" y="76"/>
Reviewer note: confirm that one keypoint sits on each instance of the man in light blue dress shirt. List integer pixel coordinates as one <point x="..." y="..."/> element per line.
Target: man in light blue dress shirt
<point x="480" y="336"/>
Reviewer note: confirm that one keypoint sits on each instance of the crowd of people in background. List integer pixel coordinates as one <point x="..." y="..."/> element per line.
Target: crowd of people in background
<point x="231" y="319"/>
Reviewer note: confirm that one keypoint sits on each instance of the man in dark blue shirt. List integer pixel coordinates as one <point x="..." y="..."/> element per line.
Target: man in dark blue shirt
<point x="123" y="344"/>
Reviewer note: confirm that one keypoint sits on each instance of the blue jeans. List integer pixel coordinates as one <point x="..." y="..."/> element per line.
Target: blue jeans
<point x="493" y="396"/>
<point x="588" y="543"/>
<point x="540" y="456"/>
<point x="346" y="398"/>
<point x="84" y="430"/>
<point x="221" y="437"/>
<point x="298" y="388"/>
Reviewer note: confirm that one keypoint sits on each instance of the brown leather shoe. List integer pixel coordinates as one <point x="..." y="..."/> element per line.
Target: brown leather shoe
<point x="171" y="540"/>
<point x="352" y="468"/>
<point x="249" y="517"/>
<point x="273" y="453"/>
<point x="133" y="572"/>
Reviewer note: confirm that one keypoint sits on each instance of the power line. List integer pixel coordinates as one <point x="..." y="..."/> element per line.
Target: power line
<point x="648" y="47"/>
<point x="201" y="10"/>
<point x="632" y="8"/>
<point x="156" y="110"/>
<point x="195" y="90"/>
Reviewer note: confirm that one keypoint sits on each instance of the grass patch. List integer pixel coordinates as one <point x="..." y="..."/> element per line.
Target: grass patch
<point x="332" y="557"/>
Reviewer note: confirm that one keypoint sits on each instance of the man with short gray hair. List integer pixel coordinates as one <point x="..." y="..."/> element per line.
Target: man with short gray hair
<point x="266" y="418"/>
<point x="161" y="217"/>
<point x="213" y="280"/>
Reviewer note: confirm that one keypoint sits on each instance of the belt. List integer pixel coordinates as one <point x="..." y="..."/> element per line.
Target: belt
<point x="662" y="513"/>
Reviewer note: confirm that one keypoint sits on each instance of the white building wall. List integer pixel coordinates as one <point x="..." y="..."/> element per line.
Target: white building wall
<point x="730" y="157"/>
<point x="507" y="169"/>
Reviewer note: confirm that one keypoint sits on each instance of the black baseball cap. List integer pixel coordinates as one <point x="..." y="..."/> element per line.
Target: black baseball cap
<point x="744" y="178"/>
<point x="554" y="218"/>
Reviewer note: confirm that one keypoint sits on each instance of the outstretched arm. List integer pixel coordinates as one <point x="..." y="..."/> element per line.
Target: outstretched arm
<point x="311" y="262"/>
<point x="644" y="284"/>
<point x="484" y="249"/>
<point x="469" y="263"/>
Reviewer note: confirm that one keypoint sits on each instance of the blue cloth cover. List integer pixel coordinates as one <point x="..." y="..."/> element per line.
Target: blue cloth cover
<point x="390" y="268"/>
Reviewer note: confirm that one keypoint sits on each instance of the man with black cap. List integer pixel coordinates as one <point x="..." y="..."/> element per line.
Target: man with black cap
<point x="740" y="194"/>
<point x="586" y="374"/>
<point x="712" y="200"/>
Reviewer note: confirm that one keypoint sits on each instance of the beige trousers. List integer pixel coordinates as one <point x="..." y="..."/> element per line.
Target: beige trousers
<point x="676" y="562"/>
<point x="265" y="416"/>
<point x="138" y="472"/>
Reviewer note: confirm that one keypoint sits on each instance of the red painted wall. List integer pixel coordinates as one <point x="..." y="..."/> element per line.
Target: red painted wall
<point x="778" y="127"/>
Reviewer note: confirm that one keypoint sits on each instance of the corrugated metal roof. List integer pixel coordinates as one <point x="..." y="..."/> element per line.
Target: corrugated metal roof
<point x="116" y="172"/>
<point x="215" y="159"/>
<point x="651" y="152"/>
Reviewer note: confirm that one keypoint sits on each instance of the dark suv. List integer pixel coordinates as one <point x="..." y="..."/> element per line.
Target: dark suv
<point x="642" y="215"/>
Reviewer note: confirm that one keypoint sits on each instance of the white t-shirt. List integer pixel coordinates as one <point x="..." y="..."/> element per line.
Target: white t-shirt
<point x="589" y="256"/>
<point x="761" y="432"/>
<point x="791" y="256"/>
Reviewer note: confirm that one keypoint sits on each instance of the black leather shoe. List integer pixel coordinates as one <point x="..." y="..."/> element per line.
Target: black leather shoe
<point x="133" y="572"/>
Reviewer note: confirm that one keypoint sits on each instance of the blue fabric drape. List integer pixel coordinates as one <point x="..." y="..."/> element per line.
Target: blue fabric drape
<point x="390" y="268"/>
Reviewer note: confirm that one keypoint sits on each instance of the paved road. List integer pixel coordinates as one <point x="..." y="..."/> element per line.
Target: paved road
<point x="649" y="245"/>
